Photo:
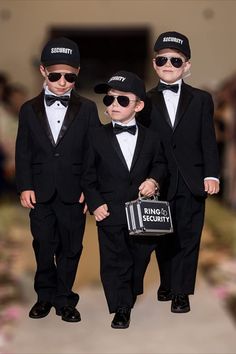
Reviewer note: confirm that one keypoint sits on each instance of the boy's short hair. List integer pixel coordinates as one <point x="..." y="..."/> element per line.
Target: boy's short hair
<point x="173" y="40"/>
<point x="124" y="81"/>
<point x="61" y="51"/>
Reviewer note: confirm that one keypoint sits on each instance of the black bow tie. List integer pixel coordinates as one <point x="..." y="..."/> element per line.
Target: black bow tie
<point x="50" y="99"/>
<point x="124" y="128"/>
<point x="161" y="87"/>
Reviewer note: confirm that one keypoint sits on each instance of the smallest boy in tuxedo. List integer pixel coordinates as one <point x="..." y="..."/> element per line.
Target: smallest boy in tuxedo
<point x="124" y="158"/>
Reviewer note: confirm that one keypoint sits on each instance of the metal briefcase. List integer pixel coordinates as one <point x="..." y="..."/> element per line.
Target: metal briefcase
<point x="150" y="217"/>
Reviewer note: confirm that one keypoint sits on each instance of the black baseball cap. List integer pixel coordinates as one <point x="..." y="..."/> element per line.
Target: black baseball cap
<point x="61" y="51"/>
<point x="173" y="40"/>
<point x="123" y="81"/>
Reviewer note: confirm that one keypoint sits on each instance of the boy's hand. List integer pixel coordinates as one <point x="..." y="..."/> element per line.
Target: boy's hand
<point x="211" y="186"/>
<point x="147" y="188"/>
<point x="101" y="212"/>
<point x="27" y="199"/>
<point x="81" y="200"/>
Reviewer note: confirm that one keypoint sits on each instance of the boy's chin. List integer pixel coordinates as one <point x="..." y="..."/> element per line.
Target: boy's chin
<point x="60" y="92"/>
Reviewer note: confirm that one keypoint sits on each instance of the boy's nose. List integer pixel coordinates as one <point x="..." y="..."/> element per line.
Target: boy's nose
<point x="168" y="63"/>
<point x="115" y="102"/>
<point x="62" y="81"/>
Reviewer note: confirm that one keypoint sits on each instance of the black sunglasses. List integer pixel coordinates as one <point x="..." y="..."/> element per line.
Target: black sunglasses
<point x="69" y="77"/>
<point x="176" y="62"/>
<point x="123" y="101"/>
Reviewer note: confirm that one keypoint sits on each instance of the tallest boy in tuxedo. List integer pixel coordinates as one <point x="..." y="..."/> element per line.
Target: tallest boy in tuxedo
<point x="183" y="116"/>
<point x="50" y="147"/>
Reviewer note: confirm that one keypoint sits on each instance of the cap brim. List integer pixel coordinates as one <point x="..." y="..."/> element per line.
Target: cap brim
<point x="57" y="62"/>
<point x="171" y="46"/>
<point x="102" y="88"/>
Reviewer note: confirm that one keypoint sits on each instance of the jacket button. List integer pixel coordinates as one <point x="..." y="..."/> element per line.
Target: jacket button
<point x="56" y="154"/>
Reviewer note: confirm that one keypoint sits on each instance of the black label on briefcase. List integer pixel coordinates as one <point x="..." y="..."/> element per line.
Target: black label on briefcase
<point x="148" y="217"/>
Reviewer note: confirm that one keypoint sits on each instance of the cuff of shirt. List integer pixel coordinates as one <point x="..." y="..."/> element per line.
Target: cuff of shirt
<point x="214" y="178"/>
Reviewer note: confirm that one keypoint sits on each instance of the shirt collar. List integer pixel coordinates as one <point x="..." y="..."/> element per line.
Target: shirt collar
<point x="131" y="122"/>
<point x="178" y="82"/>
<point x="48" y="92"/>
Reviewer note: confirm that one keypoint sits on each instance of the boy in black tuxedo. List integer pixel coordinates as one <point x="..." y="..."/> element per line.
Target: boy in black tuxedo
<point x="183" y="116"/>
<point x="50" y="149"/>
<point x="124" y="159"/>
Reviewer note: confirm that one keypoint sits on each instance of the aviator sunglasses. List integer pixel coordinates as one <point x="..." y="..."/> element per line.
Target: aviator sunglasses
<point x="123" y="101"/>
<point x="175" y="61"/>
<point x="69" y="77"/>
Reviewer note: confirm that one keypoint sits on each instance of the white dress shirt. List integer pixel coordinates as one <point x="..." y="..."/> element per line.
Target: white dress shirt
<point x="55" y="114"/>
<point x="172" y="100"/>
<point x="127" y="142"/>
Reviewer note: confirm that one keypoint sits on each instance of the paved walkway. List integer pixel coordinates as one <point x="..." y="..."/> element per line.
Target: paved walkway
<point x="207" y="329"/>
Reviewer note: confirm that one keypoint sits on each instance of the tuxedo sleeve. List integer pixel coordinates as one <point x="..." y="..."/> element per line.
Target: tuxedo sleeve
<point x="89" y="181"/>
<point x="209" y="145"/>
<point x="159" y="170"/>
<point x="144" y="116"/>
<point x="23" y="153"/>
<point x="94" y="120"/>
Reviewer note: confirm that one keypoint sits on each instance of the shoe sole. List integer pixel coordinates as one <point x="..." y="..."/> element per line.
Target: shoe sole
<point x="160" y="298"/>
<point x="180" y="310"/>
<point x="120" y="327"/>
<point x="71" y="321"/>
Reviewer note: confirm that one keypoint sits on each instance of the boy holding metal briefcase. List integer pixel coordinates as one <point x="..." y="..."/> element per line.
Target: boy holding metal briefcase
<point x="123" y="160"/>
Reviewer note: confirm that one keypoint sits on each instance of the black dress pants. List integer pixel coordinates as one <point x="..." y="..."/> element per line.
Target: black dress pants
<point x="188" y="218"/>
<point x="57" y="230"/>
<point x="116" y="266"/>
<point x="143" y="248"/>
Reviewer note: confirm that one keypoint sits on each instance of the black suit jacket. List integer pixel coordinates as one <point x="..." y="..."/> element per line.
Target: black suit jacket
<point x="107" y="178"/>
<point x="190" y="145"/>
<point x="45" y="166"/>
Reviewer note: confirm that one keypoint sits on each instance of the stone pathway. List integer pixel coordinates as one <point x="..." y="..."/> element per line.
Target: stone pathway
<point x="207" y="329"/>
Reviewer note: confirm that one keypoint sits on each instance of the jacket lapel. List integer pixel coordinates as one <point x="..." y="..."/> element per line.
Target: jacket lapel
<point x="139" y="144"/>
<point x="38" y="106"/>
<point x="115" y="144"/>
<point x="72" y="111"/>
<point x="158" y="99"/>
<point x="184" y="101"/>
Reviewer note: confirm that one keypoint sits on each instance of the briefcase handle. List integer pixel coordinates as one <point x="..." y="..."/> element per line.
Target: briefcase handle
<point x="155" y="197"/>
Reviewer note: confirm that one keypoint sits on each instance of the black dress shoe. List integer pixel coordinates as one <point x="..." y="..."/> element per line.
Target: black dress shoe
<point x="180" y="303"/>
<point x="69" y="314"/>
<point x="164" y="295"/>
<point x="122" y="318"/>
<point x="40" y="309"/>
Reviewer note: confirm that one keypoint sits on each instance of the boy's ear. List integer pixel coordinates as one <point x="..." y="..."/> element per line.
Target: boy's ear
<point x="42" y="70"/>
<point x="139" y="106"/>
<point x="154" y="64"/>
<point x="187" y="66"/>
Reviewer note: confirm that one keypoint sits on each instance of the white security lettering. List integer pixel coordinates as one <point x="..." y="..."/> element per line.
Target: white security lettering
<point x="151" y="211"/>
<point x="173" y="39"/>
<point x="62" y="50"/>
<point x="156" y="218"/>
<point x="117" y="78"/>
